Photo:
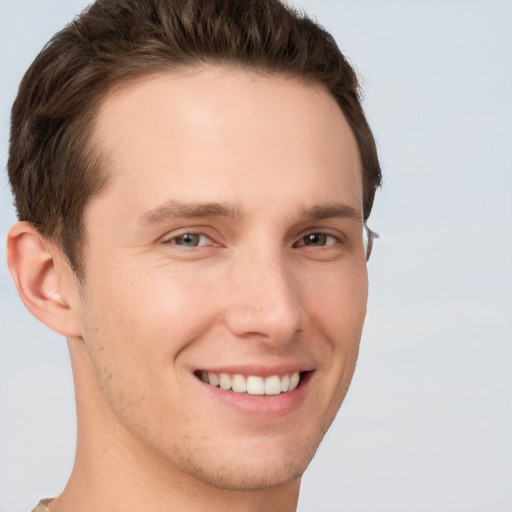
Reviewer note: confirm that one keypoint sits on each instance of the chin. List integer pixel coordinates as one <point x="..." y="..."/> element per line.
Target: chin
<point x="256" y="469"/>
<point x="246" y="478"/>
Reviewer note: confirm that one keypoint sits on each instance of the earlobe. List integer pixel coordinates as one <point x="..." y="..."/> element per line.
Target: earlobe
<point x="44" y="282"/>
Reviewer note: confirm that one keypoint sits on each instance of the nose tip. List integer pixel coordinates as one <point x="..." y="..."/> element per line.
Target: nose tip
<point x="265" y="304"/>
<point x="273" y="323"/>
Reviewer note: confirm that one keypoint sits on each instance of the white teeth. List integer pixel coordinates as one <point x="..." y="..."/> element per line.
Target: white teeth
<point x="285" y="383"/>
<point x="252" y="384"/>
<point x="213" y="379"/>
<point x="272" y="385"/>
<point x="225" y="381"/>
<point x="255" y="385"/>
<point x="294" y="380"/>
<point x="239" y="384"/>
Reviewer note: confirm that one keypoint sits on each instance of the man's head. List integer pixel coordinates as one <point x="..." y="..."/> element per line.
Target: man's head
<point x="207" y="170"/>
<point x="53" y="166"/>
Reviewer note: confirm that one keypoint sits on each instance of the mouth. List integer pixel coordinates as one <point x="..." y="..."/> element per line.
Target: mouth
<point x="253" y="384"/>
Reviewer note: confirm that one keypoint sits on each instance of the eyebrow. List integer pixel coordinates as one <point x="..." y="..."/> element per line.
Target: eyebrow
<point x="178" y="210"/>
<point x="175" y="209"/>
<point x="331" y="211"/>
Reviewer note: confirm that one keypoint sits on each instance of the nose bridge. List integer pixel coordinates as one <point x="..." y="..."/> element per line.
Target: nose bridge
<point x="265" y="297"/>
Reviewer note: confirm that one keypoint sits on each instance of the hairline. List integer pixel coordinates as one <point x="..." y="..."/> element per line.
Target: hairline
<point x="100" y="159"/>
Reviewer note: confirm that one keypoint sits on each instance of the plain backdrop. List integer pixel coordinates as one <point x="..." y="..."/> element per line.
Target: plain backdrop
<point x="427" y="424"/>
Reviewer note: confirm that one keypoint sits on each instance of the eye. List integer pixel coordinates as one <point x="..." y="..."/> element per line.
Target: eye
<point x="190" y="240"/>
<point x="317" y="240"/>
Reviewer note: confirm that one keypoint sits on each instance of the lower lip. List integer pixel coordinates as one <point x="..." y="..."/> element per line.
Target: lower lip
<point x="261" y="406"/>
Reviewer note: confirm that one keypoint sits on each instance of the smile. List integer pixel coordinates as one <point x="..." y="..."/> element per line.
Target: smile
<point x="252" y="384"/>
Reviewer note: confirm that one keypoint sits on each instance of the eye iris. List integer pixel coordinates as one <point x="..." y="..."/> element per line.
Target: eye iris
<point x="189" y="240"/>
<point x="315" y="239"/>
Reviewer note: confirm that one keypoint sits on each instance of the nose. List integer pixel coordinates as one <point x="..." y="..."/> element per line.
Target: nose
<point x="264" y="299"/>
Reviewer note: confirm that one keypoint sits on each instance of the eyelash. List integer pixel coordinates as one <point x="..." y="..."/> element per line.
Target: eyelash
<point x="302" y="241"/>
<point x="172" y="241"/>
<point x="323" y="236"/>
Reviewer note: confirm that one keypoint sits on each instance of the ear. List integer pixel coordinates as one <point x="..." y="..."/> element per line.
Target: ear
<point x="44" y="280"/>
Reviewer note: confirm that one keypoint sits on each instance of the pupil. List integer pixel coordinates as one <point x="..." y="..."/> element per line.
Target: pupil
<point x="190" y="239"/>
<point x="316" y="239"/>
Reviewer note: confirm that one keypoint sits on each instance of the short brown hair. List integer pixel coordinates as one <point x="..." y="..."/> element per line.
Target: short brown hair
<point x="53" y="168"/>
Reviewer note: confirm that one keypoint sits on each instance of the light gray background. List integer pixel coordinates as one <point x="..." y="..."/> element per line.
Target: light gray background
<point x="427" y="425"/>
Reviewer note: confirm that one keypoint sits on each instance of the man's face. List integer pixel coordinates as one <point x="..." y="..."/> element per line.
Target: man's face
<point x="227" y="245"/>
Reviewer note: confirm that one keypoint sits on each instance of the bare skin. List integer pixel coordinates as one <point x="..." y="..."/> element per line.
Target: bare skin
<point x="228" y="241"/>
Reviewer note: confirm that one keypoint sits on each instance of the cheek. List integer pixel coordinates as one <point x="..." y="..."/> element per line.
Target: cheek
<point x="141" y="321"/>
<point x="337" y="299"/>
<point x="136" y="328"/>
<point x="339" y="310"/>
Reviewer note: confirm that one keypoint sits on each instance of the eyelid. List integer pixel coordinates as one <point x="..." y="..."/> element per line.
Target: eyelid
<point x="321" y="231"/>
<point x="168" y="238"/>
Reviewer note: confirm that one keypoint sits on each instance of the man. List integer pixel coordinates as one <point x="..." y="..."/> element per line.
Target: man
<point x="193" y="180"/>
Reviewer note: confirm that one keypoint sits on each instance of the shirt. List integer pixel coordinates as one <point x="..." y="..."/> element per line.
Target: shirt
<point x="41" y="507"/>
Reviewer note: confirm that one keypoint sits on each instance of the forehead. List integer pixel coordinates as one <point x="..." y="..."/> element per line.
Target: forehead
<point x="217" y="129"/>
